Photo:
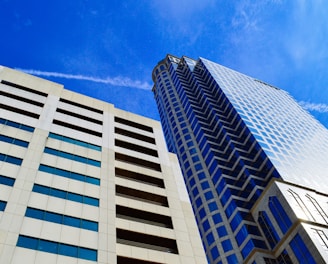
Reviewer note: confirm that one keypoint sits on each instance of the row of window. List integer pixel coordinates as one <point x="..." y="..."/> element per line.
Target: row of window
<point x="70" y="156"/>
<point x="10" y="159"/>
<point x="74" y="141"/>
<point x="61" y="219"/>
<point x="65" y="195"/>
<point x="7" y="181"/>
<point x="14" y="141"/>
<point x="16" y="125"/>
<point x="69" y="174"/>
<point x="56" y="248"/>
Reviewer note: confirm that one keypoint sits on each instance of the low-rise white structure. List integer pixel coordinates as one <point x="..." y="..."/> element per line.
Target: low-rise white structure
<point x="84" y="182"/>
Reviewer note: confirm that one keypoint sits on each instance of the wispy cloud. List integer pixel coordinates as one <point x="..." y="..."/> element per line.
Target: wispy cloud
<point x="322" y="108"/>
<point x="115" y="81"/>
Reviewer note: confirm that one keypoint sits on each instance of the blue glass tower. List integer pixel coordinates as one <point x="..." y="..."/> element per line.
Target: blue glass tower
<point x="244" y="147"/>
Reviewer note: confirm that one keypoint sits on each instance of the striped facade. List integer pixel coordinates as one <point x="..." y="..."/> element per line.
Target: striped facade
<point x="84" y="182"/>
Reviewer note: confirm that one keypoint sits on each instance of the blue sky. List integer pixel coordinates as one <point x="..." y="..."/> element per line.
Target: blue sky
<point x="107" y="49"/>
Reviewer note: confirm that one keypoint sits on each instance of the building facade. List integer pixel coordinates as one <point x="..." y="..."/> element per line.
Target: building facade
<point x="84" y="182"/>
<point x="254" y="163"/>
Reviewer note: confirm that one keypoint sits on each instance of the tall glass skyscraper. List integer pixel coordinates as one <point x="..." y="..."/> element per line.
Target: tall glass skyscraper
<point x="254" y="163"/>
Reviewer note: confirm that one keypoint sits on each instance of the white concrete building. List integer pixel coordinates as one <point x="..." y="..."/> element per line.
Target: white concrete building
<point x="84" y="182"/>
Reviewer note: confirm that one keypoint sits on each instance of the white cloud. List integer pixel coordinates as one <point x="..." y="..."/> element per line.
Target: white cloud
<point x="116" y="81"/>
<point x="322" y="108"/>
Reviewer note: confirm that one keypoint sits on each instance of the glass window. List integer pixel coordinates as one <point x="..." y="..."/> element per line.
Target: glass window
<point x="227" y="246"/>
<point x="206" y="225"/>
<point x="3" y="205"/>
<point x="48" y="246"/>
<point x="217" y="218"/>
<point x="72" y="157"/>
<point x="222" y="231"/>
<point x="14" y="141"/>
<point x="68" y="250"/>
<point x="69" y="174"/>
<point x="53" y="217"/>
<point x="301" y="251"/>
<point x="65" y="195"/>
<point x="210" y="238"/>
<point x="215" y="253"/>
<point x="16" y="125"/>
<point x="232" y="259"/>
<point x="212" y="206"/>
<point x="34" y="213"/>
<point x="268" y="229"/>
<point x="279" y="214"/>
<point x="61" y="219"/>
<point x="6" y="180"/>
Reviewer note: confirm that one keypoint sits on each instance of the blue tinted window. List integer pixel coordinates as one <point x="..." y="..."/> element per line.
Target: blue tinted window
<point x="68" y="250"/>
<point x="217" y="218"/>
<point x="222" y="231"/>
<point x="198" y="202"/>
<point x="205" y="185"/>
<point x="65" y="195"/>
<point x="202" y="213"/>
<point x="27" y="242"/>
<point x="90" y="225"/>
<point x="279" y="214"/>
<point x="241" y="235"/>
<point x="72" y="221"/>
<point x="195" y="192"/>
<point x="16" y="125"/>
<point x="3" y="205"/>
<point x="6" y="180"/>
<point x="268" y="229"/>
<point x="206" y="225"/>
<point x="57" y="248"/>
<point x="34" y="213"/>
<point x="210" y="238"/>
<point x="69" y="174"/>
<point x="301" y="251"/>
<point x="247" y="248"/>
<point x="232" y="259"/>
<point x="61" y="219"/>
<point x="209" y="195"/>
<point x="10" y="159"/>
<point x="14" y="141"/>
<point x="74" y="141"/>
<point x="215" y="253"/>
<point x="212" y="206"/>
<point x="47" y="246"/>
<point x="72" y="157"/>
<point x="89" y="254"/>
<point x="227" y="246"/>
<point x="53" y="217"/>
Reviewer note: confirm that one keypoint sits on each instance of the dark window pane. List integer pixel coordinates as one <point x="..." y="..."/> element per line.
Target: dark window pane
<point x="72" y="221"/>
<point x="53" y="217"/>
<point x="34" y="213"/>
<point x="7" y="181"/>
<point x="90" y="225"/>
<point x="48" y="246"/>
<point x="75" y="197"/>
<point x="27" y="242"/>
<point x="2" y="205"/>
<point x="89" y="254"/>
<point x="68" y="250"/>
<point x="91" y="201"/>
